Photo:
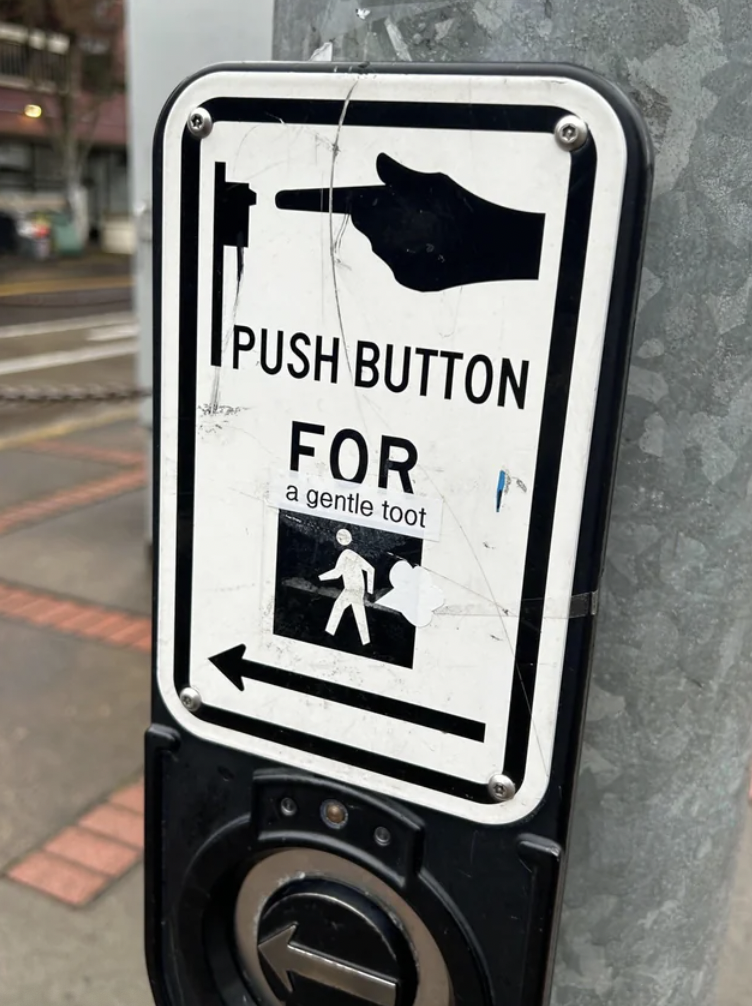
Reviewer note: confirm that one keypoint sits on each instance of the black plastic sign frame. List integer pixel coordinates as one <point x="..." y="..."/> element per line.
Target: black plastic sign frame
<point x="489" y="894"/>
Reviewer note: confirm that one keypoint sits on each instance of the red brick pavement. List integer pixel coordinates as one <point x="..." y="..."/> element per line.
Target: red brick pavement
<point x="83" y="860"/>
<point x="75" y="617"/>
<point x="87" y="857"/>
<point x="64" y="500"/>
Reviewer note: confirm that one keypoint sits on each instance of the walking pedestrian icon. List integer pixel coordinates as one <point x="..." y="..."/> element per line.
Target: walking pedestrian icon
<point x="330" y="579"/>
<point x="357" y="575"/>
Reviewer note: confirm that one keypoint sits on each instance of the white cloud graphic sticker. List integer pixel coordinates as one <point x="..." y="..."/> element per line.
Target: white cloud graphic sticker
<point x="414" y="593"/>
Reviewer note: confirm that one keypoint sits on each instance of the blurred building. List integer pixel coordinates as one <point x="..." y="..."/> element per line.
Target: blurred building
<point x="30" y="167"/>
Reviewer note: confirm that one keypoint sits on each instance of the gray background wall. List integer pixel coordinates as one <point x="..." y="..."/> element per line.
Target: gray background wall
<point x="661" y="799"/>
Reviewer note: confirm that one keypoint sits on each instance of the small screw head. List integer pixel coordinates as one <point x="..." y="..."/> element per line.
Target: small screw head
<point x="501" y="788"/>
<point x="571" y="132"/>
<point x="382" y="836"/>
<point x="200" y="123"/>
<point x="334" y="814"/>
<point x="288" y="807"/>
<point x="191" y="699"/>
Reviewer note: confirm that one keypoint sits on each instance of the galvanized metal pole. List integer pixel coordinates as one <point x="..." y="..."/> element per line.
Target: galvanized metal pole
<point x="661" y="795"/>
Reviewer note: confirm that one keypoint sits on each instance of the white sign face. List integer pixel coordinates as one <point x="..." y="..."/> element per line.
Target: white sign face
<point x="384" y="305"/>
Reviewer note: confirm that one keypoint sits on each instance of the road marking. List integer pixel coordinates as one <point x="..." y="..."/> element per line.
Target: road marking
<point x="37" y="286"/>
<point x="87" y="452"/>
<point x="65" y="358"/>
<point x="116" y="414"/>
<point x="65" y="325"/>
<point x="113" y="333"/>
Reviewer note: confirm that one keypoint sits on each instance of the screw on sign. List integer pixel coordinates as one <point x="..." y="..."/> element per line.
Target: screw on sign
<point x="392" y="306"/>
<point x="501" y="788"/>
<point x="190" y="699"/>
<point x="571" y="132"/>
<point x="200" y="123"/>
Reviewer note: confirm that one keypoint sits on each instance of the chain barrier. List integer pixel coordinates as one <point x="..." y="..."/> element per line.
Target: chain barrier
<point x="88" y="393"/>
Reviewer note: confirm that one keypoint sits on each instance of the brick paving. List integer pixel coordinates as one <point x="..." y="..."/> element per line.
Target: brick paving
<point x="85" y="858"/>
<point x="75" y="617"/>
<point x="85" y="847"/>
<point x="116" y="822"/>
<point x="131" y="797"/>
<point x="64" y="500"/>
<point x="92" y="852"/>
<point x="60" y="879"/>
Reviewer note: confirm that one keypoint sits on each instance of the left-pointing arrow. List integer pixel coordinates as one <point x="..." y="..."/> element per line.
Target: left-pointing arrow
<point x="286" y="958"/>
<point x="238" y="670"/>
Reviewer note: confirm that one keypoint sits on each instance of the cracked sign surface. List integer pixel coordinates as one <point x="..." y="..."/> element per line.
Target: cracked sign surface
<point x="379" y="292"/>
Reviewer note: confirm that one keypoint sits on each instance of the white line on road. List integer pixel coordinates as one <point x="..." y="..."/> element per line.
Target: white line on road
<point x="113" y="333"/>
<point x="45" y="361"/>
<point x="64" y="325"/>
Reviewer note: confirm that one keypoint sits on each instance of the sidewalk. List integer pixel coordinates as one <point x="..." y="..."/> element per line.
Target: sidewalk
<point x="74" y="694"/>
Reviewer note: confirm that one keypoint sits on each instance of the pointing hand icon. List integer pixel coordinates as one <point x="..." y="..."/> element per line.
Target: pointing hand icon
<point x="431" y="232"/>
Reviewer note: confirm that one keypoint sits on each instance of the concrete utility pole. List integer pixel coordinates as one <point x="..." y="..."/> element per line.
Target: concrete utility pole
<point x="661" y="796"/>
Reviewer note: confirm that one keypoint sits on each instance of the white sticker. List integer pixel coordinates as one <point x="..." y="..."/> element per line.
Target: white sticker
<point x="413" y="593"/>
<point x="384" y="509"/>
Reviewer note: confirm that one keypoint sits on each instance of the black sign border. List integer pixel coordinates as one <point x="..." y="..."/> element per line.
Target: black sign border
<point x="608" y="411"/>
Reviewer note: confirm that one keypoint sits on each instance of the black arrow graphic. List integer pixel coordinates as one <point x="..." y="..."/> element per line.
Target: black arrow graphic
<point x="236" y="669"/>
<point x="286" y="958"/>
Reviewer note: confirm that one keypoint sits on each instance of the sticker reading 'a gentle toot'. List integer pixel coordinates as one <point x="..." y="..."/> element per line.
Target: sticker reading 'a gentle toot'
<point x="354" y="503"/>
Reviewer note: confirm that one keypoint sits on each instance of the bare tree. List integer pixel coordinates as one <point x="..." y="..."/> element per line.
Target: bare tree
<point x="72" y="86"/>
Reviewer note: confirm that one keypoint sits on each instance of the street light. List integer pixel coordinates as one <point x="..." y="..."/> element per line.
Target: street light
<point x="33" y="111"/>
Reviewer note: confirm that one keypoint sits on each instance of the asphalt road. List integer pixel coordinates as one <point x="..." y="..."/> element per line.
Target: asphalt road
<point x="65" y="353"/>
<point x="48" y="297"/>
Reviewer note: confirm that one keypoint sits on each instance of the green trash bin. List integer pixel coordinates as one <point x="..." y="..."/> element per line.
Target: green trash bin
<point x="65" y="238"/>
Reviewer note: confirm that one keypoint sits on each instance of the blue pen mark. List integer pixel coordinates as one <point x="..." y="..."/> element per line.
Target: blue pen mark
<point x="505" y="483"/>
<point x="500" y="487"/>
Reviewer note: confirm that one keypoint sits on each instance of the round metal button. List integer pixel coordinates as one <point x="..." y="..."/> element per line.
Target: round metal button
<point x="313" y="929"/>
<point x="317" y="936"/>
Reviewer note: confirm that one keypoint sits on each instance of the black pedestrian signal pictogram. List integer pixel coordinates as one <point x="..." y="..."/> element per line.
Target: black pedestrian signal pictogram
<point x="330" y="578"/>
<point x="356" y="574"/>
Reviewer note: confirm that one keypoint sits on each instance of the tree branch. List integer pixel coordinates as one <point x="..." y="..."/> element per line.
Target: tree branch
<point x="86" y="142"/>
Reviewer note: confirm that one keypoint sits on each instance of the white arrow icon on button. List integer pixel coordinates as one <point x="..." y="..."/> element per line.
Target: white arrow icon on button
<point x="286" y="958"/>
